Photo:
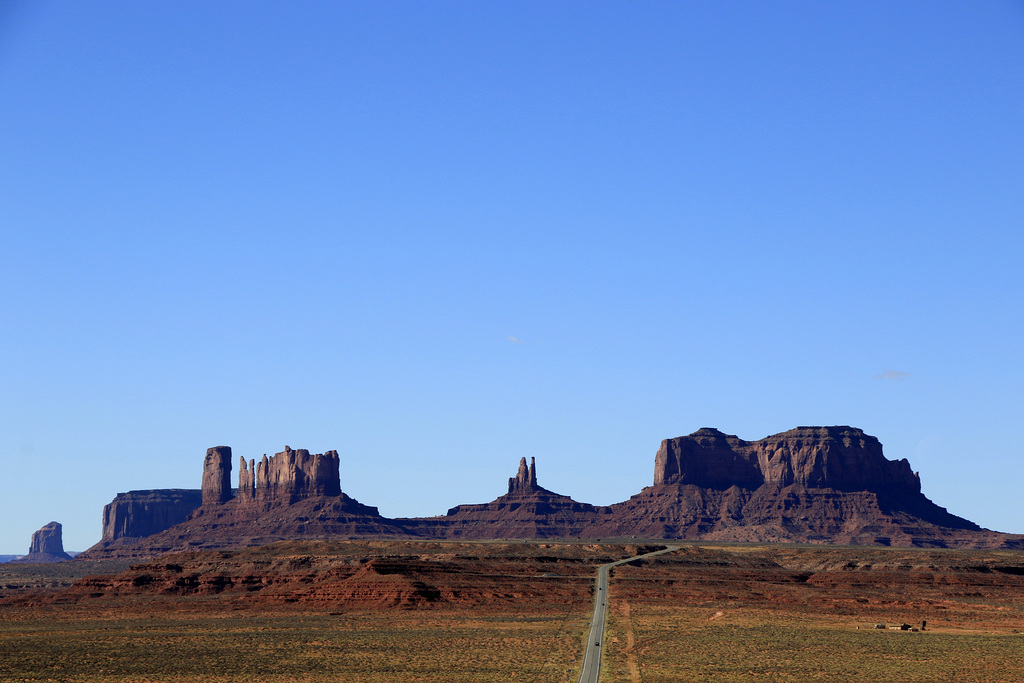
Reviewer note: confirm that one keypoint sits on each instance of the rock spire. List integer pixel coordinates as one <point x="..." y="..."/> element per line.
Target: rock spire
<point x="525" y="480"/>
<point x="217" y="475"/>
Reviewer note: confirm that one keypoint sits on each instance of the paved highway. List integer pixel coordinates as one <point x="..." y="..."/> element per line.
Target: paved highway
<point x="591" y="671"/>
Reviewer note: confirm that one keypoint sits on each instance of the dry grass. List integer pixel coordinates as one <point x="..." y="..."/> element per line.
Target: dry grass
<point x="221" y="648"/>
<point x="690" y="645"/>
<point x="696" y="617"/>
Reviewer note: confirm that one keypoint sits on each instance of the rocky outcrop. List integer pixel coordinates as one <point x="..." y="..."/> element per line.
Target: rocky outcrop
<point x="137" y="514"/>
<point x="217" y="475"/>
<point x="290" y="476"/>
<point x="246" y="480"/>
<point x="525" y="481"/>
<point x="47" y="545"/>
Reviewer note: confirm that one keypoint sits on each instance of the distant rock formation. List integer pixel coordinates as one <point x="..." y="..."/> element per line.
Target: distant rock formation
<point x="47" y="546"/>
<point x="290" y="476"/>
<point x="840" y="458"/>
<point x="809" y="484"/>
<point x="806" y="485"/>
<point x="525" y="481"/>
<point x="144" y="523"/>
<point x="234" y="525"/>
<point x="528" y="510"/>
<point x="217" y="475"/>
<point x="283" y="479"/>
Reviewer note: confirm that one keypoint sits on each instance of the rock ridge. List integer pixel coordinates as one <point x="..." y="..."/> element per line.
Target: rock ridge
<point x="829" y="484"/>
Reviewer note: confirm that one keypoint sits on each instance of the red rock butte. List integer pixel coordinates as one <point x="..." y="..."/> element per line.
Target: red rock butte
<point x="806" y="485"/>
<point x="47" y="546"/>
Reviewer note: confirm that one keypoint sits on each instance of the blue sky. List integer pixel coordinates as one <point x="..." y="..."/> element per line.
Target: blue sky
<point x="441" y="236"/>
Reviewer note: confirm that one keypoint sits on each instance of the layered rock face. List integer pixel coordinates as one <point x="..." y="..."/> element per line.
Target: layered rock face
<point x="706" y="458"/>
<point x="840" y="458"/>
<point x="136" y="514"/>
<point x="281" y="479"/>
<point x="47" y="545"/>
<point x="290" y="476"/>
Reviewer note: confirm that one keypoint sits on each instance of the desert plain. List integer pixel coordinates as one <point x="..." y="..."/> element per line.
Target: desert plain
<point x="446" y="611"/>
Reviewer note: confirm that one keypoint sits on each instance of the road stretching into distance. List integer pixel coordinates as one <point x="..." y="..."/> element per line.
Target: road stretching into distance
<point x="591" y="671"/>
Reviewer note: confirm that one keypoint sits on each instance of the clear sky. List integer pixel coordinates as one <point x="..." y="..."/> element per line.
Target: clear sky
<point x="439" y="236"/>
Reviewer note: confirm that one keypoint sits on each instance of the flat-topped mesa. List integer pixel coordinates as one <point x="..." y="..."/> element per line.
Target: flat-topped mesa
<point x="217" y="475"/>
<point x="525" y="481"/>
<point x="290" y="476"/>
<point x="841" y="458"/>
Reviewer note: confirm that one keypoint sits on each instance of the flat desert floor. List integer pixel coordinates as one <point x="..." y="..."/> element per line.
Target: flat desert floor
<point x="498" y="611"/>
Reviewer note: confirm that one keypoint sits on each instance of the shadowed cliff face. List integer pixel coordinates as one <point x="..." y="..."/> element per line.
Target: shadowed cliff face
<point x="706" y="458"/>
<point x="217" y="475"/>
<point x="136" y="514"/>
<point x="840" y="458"/>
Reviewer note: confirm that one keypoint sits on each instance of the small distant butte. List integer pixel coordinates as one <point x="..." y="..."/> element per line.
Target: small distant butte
<point x="806" y="485"/>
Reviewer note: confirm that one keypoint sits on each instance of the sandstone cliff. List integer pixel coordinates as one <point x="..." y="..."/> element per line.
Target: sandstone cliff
<point x="840" y="458"/>
<point x="137" y="514"/>
<point x="290" y="476"/>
